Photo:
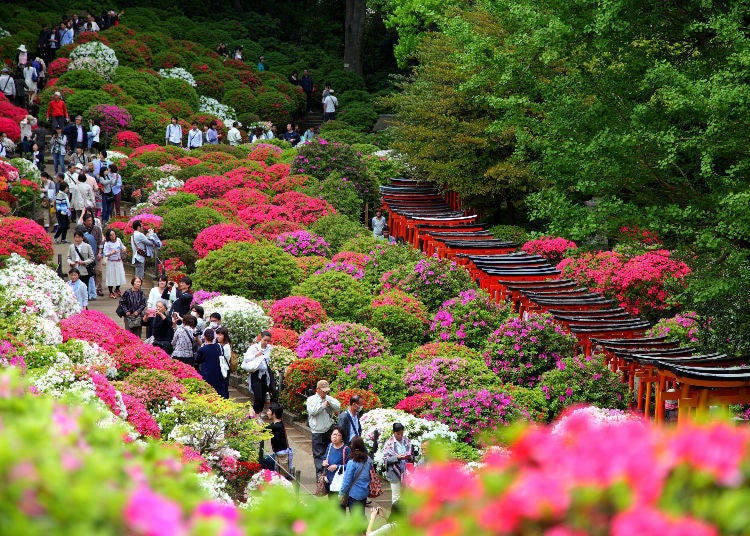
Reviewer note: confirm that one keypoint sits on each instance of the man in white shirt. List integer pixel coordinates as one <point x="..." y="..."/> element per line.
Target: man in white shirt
<point x="7" y="84"/>
<point x="174" y="133"/>
<point x="378" y="224"/>
<point x="194" y="137"/>
<point x="330" y="103"/>
<point x="234" y="137"/>
<point x="320" y="409"/>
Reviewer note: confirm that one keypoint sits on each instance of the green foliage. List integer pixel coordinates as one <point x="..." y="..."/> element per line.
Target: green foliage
<point x="359" y="115"/>
<point x="185" y="223"/>
<point x="340" y="192"/>
<point x="532" y="401"/>
<point x="363" y="243"/>
<point x="387" y="257"/>
<point x="340" y="294"/>
<point x="149" y="122"/>
<point x="174" y="247"/>
<point x="405" y="330"/>
<point x="510" y="233"/>
<point x="255" y="271"/>
<point x="82" y="99"/>
<point x="337" y="229"/>
<point x="143" y="87"/>
<point x="81" y="79"/>
<point x="382" y="376"/>
<point x="180" y="199"/>
<point x="583" y="382"/>
<point x="174" y="88"/>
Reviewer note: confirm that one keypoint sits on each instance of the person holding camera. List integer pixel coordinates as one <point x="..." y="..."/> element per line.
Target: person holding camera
<point x="320" y="409"/>
<point x="397" y="452"/>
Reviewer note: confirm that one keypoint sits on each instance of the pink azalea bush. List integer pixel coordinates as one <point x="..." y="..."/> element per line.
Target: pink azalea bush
<point x="552" y="248"/>
<point x="216" y="236"/>
<point x="152" y="387"/>
<point x="199" y="296"/>
<point x="128" y="138"/>
<point x="302" y="242"/>
<point x="401" y="299"/>
<point x="640" y="283"/>
<point x="149" y="221"/>
<point x="211" y="186"/>
<point x="682" y="328"/>
<point x="351" y="257"/>
<point x="521" y="350"/>
<point x="301" y="208"/>
<point x="440" y="375"/>
<point x="469" y="318"/>
<point x="344" y="343"/>
<point x="27" y="234"/>
<point x="242" y="197"/>
<point x="433" y="350"/>
<point x="140" y="418"/>
<point x="97" y="327"/>
<point x="297" y="313"/>
<point x="265" y="152"/>
<point x="257" y="214"/>
<point x="353" y="270"/>
<point x="469" y="412"/>
<point x="113" y="118"/>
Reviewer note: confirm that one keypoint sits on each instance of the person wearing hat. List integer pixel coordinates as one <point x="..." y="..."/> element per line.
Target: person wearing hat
<point x="23" y="56"/>
<point x="320" y="409"/>
<point x="330" y="103"/>
<point x="57" y="110"/>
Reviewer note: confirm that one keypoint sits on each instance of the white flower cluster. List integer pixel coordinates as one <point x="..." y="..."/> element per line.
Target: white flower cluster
<point x="215" y="485"/>
<point x="260" y="481"/>
<point x="95" y="56"/>
<point x="165" y="183"/>
<point x="38" y="290"/>
<point x="91" y="357"/>
<point x="205" y="435"/>
<point x="116" y="156"/>
<point x="60" y="379"/>
<point x="140" y="208"/>
<point x="416" y="429"/>
<point x="179" y="73"/>
<point x="243" y="319"/>
<point x="27" y="170"/>
<point x="4" y="33"/>
<point x="213" y="107"/>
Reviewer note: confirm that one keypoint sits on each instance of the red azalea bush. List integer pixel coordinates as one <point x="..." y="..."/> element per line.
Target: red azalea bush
<point x="301" y="376"/>
<point x="309" y="264"/>
<point x="254" y="215"/>
<point x="140" y="418"/>
<point x="290" y="182"/>
<point x="144" y="355"/>
<point x="418" y="404"/>
<point x="265" y="152"/>
<point x="205" y="186"/>
<point x="106" y="392"/>
<point x="58" y="67"/>
<point x="29" y="235"/>
<point x="97" y="327"/>
<point x="285" y="337"/>
<point x="350" y="257"/>
<point x="223" y="206"/>
<point x="639" y="282"/>
<point x="276" y="172"/>
<point x="11" y="128"/>
<point x="641" y="236"/>
<point x="367" y="399"/>
<point x="152" y="387"/>
<point x="214" y="237"/>
<point x="128" y="138"/>
<point x="10" y="111"/>
<point x="552" y="248"/>
<point x="242" y="197"/>
<point x="297" y="313"/>
<point x="301" y="208"/>
<point x="188" y="161"/>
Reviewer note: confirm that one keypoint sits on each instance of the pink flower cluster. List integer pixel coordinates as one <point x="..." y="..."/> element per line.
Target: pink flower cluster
<point x="342" y="342"/>
<point x="350" y="257"/>
<point x="265" y="152"/>
<point x="435" y="375"/>
<point x="353" y="270"/>
<point x="297" y="312"/>
<point x="9" y="357"/>
<point x="199" y="296"/>
<point x="242" y="197"/>
<point x="299" y="243"/>
<point x="301" y="208"/>
<point x="211" y="186"/>
<point x="399" y="298"/>
<point x="113" y="118"/>
<point x="262" y="213"/>
<point x="552" y="248"/>
<point x="106" y="393"/>
<point x="468" y="318"/>
<point x="290" y="182"/>
<point x="140" y="418"/>
<point x="216" y="236"/>
<point x="128" y="138"/>
<point x="149" y="221"/>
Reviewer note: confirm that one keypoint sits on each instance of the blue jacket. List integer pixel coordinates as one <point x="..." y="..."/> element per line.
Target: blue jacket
<point x="361" y="488"/>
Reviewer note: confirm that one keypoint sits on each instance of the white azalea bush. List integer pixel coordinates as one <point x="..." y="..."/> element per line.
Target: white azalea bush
<point x="116" y="157"/>
<point x="243" y="319"/>
<point x="96" y="57"/>
<point x="33" y="289"/>
<point x="27" y="170"/>
<point x="179" y="73"/>
<point x="168" y="182"/>
<point x="213" y="107"/>
<point x="416" y="429"/>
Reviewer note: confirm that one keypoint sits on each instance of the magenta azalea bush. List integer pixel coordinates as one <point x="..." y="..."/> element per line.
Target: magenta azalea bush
<point x="468" y="319"/>
<point x="521" y="350"/>
<point x="441" y="375"/>
<point x="469" y="412"/>
<point x="432" y="350"/>
<point x="299" y="243"/>
<point x="552" y="248"/>
<point x="681" y="328"/>
<point x="352" y="269"/>
<point x="216" y="236"/>
<point x="342" y="342"/>
<point x="199" y="296"/>
<point x="297" y="313"/>
<point x="113" y="118"/>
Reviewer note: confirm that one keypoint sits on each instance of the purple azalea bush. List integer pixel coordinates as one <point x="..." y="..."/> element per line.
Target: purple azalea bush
<point x="345" y="343"/>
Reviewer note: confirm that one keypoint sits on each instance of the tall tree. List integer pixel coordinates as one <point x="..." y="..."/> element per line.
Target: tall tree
<point x="354" y="31"/>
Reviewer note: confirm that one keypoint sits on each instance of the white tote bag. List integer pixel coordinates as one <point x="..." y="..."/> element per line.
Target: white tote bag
<point x="338" y="479"/>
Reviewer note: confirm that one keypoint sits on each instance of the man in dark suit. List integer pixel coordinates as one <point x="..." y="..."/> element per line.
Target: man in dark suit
<point x="349" y="419"/>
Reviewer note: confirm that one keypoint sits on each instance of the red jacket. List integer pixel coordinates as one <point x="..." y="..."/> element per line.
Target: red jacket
<point x="57" y="108"/>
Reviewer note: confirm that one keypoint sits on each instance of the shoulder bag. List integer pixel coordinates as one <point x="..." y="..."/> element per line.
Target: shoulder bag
<point x="338" y="478"/>
<point x="320" y="485"/>
<point x="224" y="363"/>
<point x="344" y="499"/>
<point x="376" y="486"/>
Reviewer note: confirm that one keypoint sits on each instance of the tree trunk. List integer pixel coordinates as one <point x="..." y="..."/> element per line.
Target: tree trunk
<point x="354" y="29"/>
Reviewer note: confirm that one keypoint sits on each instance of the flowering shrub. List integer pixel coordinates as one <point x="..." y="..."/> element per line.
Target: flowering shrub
<point x="255" y="271"/>
<point x="303" y="243"/>
<point x="381" y="376"/>
<point x="350" y="257"/>
<point x="58" y="67"/>
<point x="242" y="197"/>
<point x="441" y="375"/>
<point x="352" y="269"/>
<point x="432" y="280"/>
<point x="30" y="236"/>
<point x="285" y="337"/>
<point x="152" y="387"/>
<point x="310" y="264"/>
<point x="243" y="319"/>
<point x="141" y="355"/>
<point x="640" y="283"/>
<point x="94" y="56"/>
<point x="113" y="118"/>
<point x="342" y="342"/>
<point x="149" y="221"/>
<point x="297" y="313"/>
<point x="128" y="138"/>
<point x="640" y="236"/>
<point x="521" y="350"/>
<point x="682" y="328"/>
<point x="399" y="298"/>
<point x="340" y="294"/>
<point x="300" y="208"/>
<point x="265" y="152"/>
<point x="210" y="186"/>
<point x="256" y="214"/>
<point x="301" y="376"/>
<point x="469" y="318"/>
<point x="199" y="296"/>
<point x="367" y="399"/>
<point x="290" y="182"/>
<point x="98" y="328"/>
<point x="178" y="73"/>
<point x="550" y="247"/>
<point x="211" y="106"/>
<point x="216" y="236"/>
<point x="418" y="404"/>
<point x="469" y="412"/>
<point x="433" y="350"/>
<point x="403" y="329"/>
<point x="185" y="223"/>
<point x="578" y="380"/>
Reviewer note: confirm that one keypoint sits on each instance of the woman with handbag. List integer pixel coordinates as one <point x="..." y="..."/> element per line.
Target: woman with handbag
<point x="356" y="485"/>
<point x="336" y="457"/>
<point x="397" y="452"/>
<point x="133" y="303"/>
<point x="81" y="257"/>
